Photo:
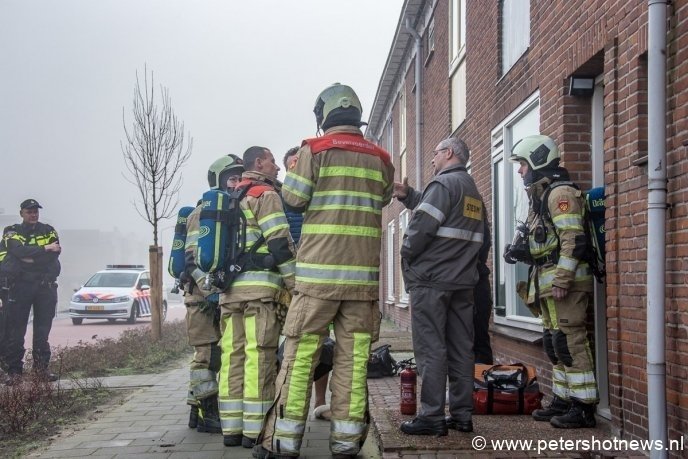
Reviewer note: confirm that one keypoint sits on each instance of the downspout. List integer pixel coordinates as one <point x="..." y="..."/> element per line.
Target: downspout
<point x="656" y="225"/>
<point x="419" y="100"/>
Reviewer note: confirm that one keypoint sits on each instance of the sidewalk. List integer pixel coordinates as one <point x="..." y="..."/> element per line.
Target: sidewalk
<point x="151" y="423"/>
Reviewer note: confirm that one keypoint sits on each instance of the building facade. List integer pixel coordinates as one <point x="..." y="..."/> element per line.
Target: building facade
<point x="494" y="72"/>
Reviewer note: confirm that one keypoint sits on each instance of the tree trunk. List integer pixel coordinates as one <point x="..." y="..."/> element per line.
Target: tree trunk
<point x="155" y="260"/>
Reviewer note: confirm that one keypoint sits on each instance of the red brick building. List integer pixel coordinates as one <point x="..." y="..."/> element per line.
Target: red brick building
<point x="494" y="72"/>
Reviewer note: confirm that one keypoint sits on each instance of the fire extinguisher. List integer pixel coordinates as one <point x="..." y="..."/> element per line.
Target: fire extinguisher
<point x="407" y="387"/>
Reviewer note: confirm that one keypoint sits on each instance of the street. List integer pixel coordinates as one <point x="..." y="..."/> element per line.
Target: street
<point x="64" y="333"/>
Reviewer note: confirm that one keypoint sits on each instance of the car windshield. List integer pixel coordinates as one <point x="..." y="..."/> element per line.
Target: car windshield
<point x="112" y="280"/>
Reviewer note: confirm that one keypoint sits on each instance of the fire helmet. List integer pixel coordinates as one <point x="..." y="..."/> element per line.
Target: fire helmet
<point x="539" y="151"/>
<point x="222" y="168"/>
<point x="337" y="105"/>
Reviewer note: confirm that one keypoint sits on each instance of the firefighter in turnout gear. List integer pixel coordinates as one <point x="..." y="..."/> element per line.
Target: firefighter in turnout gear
<point x="203" y="327"/>
<point x="28" y="271"/>
<point x="342" y="182"/>
<point x="250" y="329"/>
<point x="560" y="280"/>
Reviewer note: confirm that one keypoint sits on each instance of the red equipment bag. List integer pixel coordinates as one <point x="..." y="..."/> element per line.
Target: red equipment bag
<point x="505" y="389"/>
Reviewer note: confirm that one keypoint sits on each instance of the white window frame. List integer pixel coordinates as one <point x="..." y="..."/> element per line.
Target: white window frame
<point x="430" y="49"/>
<point x="457" y="61"/>
<point x="404" y="217"/>
<point x="509" y="195"/>
<point x="390" y="267"/>
<point x="514" y="41"/>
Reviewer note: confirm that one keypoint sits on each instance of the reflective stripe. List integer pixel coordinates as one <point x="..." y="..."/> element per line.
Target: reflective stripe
<point x="344" y="230"/>
<point x="252" y="427"/>
<point x="456" y="233"/>
<point x="260" y="407"/>
<point x="254" y="278"/>
<point x="356" y="172"/>
<point x="298" y="383"/>
<point x="290" y="426"/>
<point x="346" y="200"/>
<point x="251" y="389"/>
<point x="300" y="186"/>
<point x="580" y="377"/>
<point x="272" y="223"/>
<point x="433" y="211"/>
<point x="359" y="389"/>
<point x="558" y="375"/>
<point x="559" y="386"/>
<point x="231" y="425"/>
<point x="287" y="446"/>
<point x="364" y="274"/>
<point x="230" y="405"/>
<point x="568" y="222"/>
<point x="248" y="213"/>
<point x="547" y="277"/>
<point x="345" y="427"/>
<point x="344" y="447"/>
<point x="567" y="263"/>
<point x="288" y="268"/>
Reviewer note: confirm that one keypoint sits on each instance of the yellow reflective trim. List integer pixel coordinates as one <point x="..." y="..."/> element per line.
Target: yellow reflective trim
<point x="248" y="213"/>
<point x="298" y="384"/>
<point x="359" y="194"/>
<point x="345" y="230"/>
<point x="227" y="342"/>
<point x="251" y="389"/>
<point x="346" y="207"/>
<point x="313" y="280"/>
<point x="288" y="189"/>
<point x="372" y="269"/>
<point x="357" y="172"/>
<point x="298" y="178"/>
<point x="256" y="284"/>
<point x="359" y="391"/>
<point x="275" y="228"/>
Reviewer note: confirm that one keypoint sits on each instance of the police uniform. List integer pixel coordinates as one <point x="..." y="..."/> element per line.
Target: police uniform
<point x="557" y="246"/>
<point x="30" y="272"/>
<point x="439" y="261"/>
<point x="250" y="329"/>
<point x="342" y="182"/>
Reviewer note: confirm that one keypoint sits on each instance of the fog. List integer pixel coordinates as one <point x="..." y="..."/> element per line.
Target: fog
<point x="238" y="73"/>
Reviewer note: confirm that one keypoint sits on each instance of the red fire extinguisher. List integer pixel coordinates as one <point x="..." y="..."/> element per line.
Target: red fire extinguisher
<point x="407" y="386"/>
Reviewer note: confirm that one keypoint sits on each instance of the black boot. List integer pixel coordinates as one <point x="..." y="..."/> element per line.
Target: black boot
<point x="557" y="407"/>
<point x="209" y="416"/>
<point x="579" y="416"/>
<point x="193" y="417"/>
<point x="420" y="426"/>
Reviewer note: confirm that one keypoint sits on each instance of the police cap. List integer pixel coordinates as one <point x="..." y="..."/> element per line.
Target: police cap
<point x="30" y="204"/>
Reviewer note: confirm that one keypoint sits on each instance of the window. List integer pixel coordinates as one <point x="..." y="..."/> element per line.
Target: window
<point x="402" y="135"/>
<point x="391" y="265"/>
<point x="515" y="33"/>
<point x="403" y="224"/>
<point x="510" y="203"/>
<point x="457" y="60"/>
<point x="430" y="45"/>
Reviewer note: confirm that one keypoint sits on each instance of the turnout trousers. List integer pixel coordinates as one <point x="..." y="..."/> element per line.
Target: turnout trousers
<point x="204" y="334"/>
<point x="250" y="335"/>
<point x="24" y="295"/>
<point x="306" y="329"/>
<point x="566" y="343"/>
<point x="442" y="330"/>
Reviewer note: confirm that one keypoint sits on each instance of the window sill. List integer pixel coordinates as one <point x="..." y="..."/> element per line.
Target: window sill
<point x="517" y="334"/>
<point x="402" y="304"/>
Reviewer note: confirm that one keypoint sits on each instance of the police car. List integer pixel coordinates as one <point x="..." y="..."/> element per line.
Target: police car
<point x="118" y="292"/>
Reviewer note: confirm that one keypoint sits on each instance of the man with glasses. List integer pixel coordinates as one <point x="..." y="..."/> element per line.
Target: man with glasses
<point x="439" y="257"/>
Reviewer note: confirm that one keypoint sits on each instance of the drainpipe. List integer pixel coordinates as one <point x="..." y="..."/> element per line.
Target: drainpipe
<point x="656" y="224"/>
<point x="419" y="99"/>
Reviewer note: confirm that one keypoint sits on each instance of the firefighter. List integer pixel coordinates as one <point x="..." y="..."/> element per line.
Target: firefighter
<point x="250" y="329"/>
<point x="560" y="281"/>
<point x="342" y="182"/>
<point x="202" y="320"/>
<point x="30" y="269"/>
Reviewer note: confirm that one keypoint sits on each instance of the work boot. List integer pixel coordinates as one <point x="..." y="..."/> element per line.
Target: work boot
<point x="420" y="426"/>
<point x="556" y="407"/>
<point x="193" y="416"/>
<point x="259" y="452"/>
<point x="233" y="440"/>
<point x="247" y="442"/>
<point x="579" y="416"/>
<point x="209" y="416"/>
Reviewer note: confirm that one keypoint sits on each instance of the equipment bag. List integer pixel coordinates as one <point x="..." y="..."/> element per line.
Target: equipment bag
<point x="505" y="389"/>
<point x="381" y="363"/>
<point x="177" y="264"/>
<point x="214" y="231"/>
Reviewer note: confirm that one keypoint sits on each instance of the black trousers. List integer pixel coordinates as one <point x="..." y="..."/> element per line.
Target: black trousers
<point x="24" y="295"/>
<point x="481" y="322"/>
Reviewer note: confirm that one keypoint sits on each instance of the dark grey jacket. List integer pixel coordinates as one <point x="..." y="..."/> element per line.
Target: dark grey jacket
<point x="445" y="234"/>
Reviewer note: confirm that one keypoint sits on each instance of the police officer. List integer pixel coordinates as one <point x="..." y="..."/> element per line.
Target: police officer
<point x="250" y="328"/>
<point x="30" y="267"/>
<point x="202" y="314"/>
<point x="439" y="264"/>
<point x="560" y="280"/>
<point x="342" y="182"/>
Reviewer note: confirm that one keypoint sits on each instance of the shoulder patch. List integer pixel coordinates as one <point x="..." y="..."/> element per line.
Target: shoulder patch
<point x="473" y="208"/>
<point x="9" y="234"/>
<point x="563" y="205"/>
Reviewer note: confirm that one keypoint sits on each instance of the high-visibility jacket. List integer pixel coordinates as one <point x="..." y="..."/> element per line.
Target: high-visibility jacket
<point x="559" y="259"/>
<point x="342" y="181"/>
<point x="26" y="256"/>
<point x="262" y="207"/>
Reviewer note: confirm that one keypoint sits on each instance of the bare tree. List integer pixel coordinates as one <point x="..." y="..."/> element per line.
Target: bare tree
<point x="154" y="153"/>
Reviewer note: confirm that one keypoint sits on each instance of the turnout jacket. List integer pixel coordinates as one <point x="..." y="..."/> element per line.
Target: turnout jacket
<point x="262" y="207"/>
<point x="25" y="257"/>
<point x="559" y="259"/>
<point x="445" y="234"/>
<point x="342" y="182"/>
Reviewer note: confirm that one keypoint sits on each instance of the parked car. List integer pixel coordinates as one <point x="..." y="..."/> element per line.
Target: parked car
<point x="117" y="292"/>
